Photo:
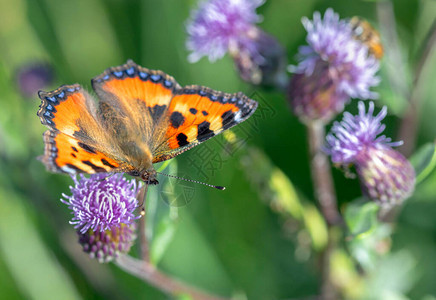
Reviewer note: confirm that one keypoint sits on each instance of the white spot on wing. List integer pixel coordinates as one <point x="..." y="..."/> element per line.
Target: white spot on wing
<point x="68" y="170"/>
<point x="238" y="116"/>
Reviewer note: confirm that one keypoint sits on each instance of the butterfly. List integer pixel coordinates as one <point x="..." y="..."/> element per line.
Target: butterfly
<point x="142" y="117"/>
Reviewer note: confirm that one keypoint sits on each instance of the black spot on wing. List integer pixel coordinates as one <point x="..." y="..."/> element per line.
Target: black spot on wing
<point x="106" y="163"/>
<point x="71" y="166"/>
<point x="205" y="113"/>
<point x="86" y="148"/>
<point x="73" y="155"/>
<point x="74" y="149"/>
<point x="157" y="111"/>
<point x="204" y="131"/>
<point x="94" y="167"/>
<point x="182" y="139"/>
<point x="177" y="119"/>
<point x="193" y="111"/>
<point x="228" y="119"/>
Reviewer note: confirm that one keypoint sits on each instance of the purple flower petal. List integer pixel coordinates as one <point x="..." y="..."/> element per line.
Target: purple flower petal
<point x="355" y="133"/>
<point x="218" y="26"/>
<point x="331" y="41"/>
<point x="100" y="203"/>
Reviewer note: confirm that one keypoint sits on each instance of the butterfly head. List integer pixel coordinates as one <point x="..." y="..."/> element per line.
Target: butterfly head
<point x="148" y="176"/>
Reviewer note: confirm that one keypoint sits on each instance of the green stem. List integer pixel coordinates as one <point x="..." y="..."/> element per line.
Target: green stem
<point x="142" y="196"/>
<point x="148" y="273"/>
<point x="321" y="174"/>
<point x="325" y="193"/>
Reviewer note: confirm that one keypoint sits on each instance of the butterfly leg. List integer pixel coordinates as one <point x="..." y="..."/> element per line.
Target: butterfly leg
<point x="109" y="175"/>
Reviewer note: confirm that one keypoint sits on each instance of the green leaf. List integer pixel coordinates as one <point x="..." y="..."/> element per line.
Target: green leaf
<point x="162" y="237"/>
<point x="361" y="218"/>
<point x="424" y="161"/>
<point x="272" y="183"/>
<point x="163" y="166"/>
<point x="367" y="249"/>
<point x="316" y="226"/>
<point x="284" y="193"/>
<point x="34" y="269"/>
<point x="375" y="0"/>
<point x="183" y="297"/>
<point x="191" y="257"/>
<point x="160" y="216"/>
<point x="399" y="268"/>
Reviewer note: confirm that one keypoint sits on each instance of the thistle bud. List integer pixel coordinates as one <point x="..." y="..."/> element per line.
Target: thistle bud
<point x="386" y="176"/>
<point x="106" y="246"/>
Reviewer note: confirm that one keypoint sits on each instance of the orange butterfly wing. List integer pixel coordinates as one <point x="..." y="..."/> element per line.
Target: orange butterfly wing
<point x="69" y="143"/>
<point x="197" y="114"/>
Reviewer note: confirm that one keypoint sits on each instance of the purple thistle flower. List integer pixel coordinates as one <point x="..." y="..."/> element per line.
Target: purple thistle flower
<point x="386" y="175"/>
<point x="107" y="245"/>
<point x="355" y="133"/>
<point x="100" y="203"/>
<point x="221" y="26"/>
<point x="218" y="26"/>
<point x="333" y="68"/>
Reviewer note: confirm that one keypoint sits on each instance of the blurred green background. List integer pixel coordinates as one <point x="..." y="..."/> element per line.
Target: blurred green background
<point x="260" y="238"/>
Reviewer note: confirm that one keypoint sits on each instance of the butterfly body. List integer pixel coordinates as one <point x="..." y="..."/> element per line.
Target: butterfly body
<point x="142" y="117"/>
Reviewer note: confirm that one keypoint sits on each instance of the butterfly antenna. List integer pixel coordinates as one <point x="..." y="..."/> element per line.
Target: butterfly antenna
<point x="222" y="188"/>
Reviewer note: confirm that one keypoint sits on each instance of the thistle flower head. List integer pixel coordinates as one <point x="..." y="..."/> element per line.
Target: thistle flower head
<point x="106" y="246"/>
<point x="357" y="133"/>
<point x="334" y="57"/>
<point x="331" y="40"/>
<point x="386" y="176"/>
<point x="218" y="26"/>
<point x="100" y="203"/>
